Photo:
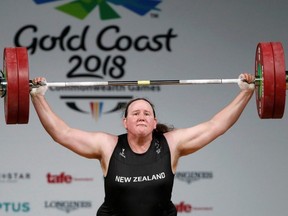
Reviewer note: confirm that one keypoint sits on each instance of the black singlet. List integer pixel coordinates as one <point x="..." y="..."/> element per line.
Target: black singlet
<point x="139" y="184"/>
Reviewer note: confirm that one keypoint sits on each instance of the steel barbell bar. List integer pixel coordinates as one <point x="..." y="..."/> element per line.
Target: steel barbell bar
<point x="141" y="83"/>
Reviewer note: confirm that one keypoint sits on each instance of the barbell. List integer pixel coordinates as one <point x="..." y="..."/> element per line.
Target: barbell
<point x="270" y="82"/>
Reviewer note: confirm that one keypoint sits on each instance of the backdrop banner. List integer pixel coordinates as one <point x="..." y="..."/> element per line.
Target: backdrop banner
<point x="240" y="173"/>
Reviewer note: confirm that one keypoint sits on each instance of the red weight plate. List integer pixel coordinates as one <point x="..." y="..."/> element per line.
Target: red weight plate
<point x="280" y="79"/>
<point x="23" y="84"/>
<point x="11" y="75"/>
<point x="264" y="69"/>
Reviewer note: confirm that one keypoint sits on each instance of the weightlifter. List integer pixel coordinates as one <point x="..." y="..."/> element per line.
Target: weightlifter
<point x="139" y="166"/>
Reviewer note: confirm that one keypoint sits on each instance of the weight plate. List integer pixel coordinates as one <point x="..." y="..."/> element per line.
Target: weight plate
<point x="23" y="85"/>
<point x="11" y="76"/>
<point x="264" y="69"/>
<point x="280" y="79"/>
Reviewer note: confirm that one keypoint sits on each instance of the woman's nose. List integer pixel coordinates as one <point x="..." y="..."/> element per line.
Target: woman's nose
<point x="141" y="117"/>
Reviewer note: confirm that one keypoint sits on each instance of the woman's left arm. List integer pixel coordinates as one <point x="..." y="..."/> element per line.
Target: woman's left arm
<point x="188" y="140"/>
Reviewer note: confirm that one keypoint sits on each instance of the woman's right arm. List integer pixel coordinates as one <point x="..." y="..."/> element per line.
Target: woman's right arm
<point x="86" y="144"/>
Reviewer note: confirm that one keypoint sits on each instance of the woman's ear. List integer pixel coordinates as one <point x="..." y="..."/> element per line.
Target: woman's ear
<point x="124" y="123"/>
<point x="156" y="122"/>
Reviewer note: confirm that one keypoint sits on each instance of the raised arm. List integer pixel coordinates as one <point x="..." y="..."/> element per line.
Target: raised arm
<point x="188" y="140"/>
<point x="86" y="144"/>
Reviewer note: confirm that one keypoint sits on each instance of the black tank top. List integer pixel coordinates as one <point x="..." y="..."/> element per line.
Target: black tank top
<point x="139" y="184"/>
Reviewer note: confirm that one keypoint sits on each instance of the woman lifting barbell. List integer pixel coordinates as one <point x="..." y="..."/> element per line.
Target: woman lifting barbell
<point x="139" y="166"/>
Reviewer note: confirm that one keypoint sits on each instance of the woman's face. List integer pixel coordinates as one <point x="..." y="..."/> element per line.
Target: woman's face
<point x="140" y="119"/>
